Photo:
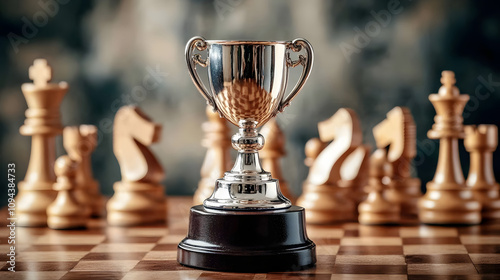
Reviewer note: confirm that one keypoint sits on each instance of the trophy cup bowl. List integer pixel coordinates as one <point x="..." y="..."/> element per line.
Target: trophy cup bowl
<point x="248" y="78"/>
<point x="247" y="224"/>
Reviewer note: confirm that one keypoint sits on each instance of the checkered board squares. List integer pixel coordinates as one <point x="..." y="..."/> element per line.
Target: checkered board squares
<point x="344" y="251"/>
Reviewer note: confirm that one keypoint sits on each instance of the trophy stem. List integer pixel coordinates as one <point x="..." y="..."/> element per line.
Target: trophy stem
<point x="248" y="142"/>
<point x="247" y="186"/>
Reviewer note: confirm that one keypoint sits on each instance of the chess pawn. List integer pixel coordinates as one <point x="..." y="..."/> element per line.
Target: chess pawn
<point x="217" y="159"/>
<point x="80" y="142"/>
<point x="43" y="124"/>
<point x="448" y="200"/>
<point x="376" y="210"/>
<point x="273" y="151"/>
<point x="481" y="142"/>
<point x="65" y="212"/>
<point x="139" y="197"/>
<point x="313" y="148"/>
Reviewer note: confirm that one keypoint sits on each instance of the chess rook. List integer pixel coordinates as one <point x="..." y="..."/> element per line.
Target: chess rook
<point x="79" y="142"/>
<point x="272" y="152"/>
<point x="66" y="212"/>
<point x="43" y="125"/>
<point x="481" y="142"/>
<point x="139" y="197"/>
<point x="448" y="200"/>
<point x="217" y="159"/>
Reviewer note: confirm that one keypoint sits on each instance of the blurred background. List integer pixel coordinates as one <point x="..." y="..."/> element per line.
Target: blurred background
<point x="369" y="56"/>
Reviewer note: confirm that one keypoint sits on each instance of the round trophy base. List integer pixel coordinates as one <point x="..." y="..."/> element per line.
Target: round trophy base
<point x="247" y="241"/>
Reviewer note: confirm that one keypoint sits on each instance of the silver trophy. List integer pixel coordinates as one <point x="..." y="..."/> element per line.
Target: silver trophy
<point x="247" y="81"/>
<point x="247" y="225"/>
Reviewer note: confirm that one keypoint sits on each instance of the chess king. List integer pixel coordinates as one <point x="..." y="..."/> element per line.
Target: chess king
<point x="247" y="225"/>
<point x="43" y="124"/>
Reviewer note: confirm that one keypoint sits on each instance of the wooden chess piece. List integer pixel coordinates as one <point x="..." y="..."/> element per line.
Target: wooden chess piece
<point x="79" y="142"/>
<point x="354" y="174"/>
<point x="481" y="142"/>
<point x="448" y="200"/>
<point x="66" y="212"/>
<point x="399" y="133"/>
<point x="217" y="159"/>
<point x="43" y="125"/>
<point x="139" y="197"/>
<point x="273" y="151"/>
<point x="321" y="197"/>
<point x="376" y="210"/>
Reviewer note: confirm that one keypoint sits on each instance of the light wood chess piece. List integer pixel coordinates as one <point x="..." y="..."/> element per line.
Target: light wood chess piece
<point x="217" y="159"/>
<point x="354" y="174"/>
<point x="322" y="197"/>
<point x="448" y="200"/>
<point x="376" y="210"/>
<point x="399" y="133"/>
<point x="79" y="142"/>
<point x="139" y="197"/>
<point x="481" y="142"/>
<point x="66" y="212"/>
<point x="43" y="125"/>
<point x="273" y="151"/>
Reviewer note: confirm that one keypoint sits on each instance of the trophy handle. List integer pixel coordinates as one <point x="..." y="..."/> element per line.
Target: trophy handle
<point x="200" y="44"/>
<point x="306" y="62"/>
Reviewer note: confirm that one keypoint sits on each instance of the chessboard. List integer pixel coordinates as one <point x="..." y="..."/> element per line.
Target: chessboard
<point x="347" y="250"/>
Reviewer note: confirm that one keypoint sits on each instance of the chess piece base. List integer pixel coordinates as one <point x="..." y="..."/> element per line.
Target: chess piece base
<point x="247" y="241"/>
<point x="377" y="211"/>
<point x="448" y="206"/>
<point x="490" y="201"/>
<point x="75" y="222"/>
<point x="406" y="193"/>
<point x="379" y="218"/>
<point x="325" y="205"/>
<point x="136" y="203"/>
<point x="32" y="205"/>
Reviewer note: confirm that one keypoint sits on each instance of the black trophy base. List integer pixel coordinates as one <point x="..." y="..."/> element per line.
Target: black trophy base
<point x="243" y="241"/>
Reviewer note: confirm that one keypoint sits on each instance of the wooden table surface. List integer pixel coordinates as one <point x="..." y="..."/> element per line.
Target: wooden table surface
<point x="344" y="251"/>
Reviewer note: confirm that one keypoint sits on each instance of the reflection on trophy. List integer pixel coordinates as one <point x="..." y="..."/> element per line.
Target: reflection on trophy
<point x="247" y="224"/>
